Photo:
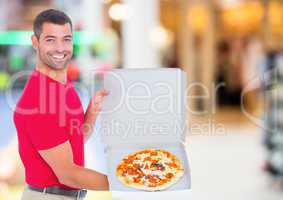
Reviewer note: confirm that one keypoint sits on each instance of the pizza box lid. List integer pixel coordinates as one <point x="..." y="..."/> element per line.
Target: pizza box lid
<point x="144" y="105"/>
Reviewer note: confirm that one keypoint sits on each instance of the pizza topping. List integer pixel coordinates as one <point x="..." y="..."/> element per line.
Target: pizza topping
<point x="147" y="159"/>
<point x="169" y="175"/>
<point x="136" y="165"/>
<point x="132" y="171"/>
<point x="162" y="181"/>
<point x="142" y="156"/>
<point x="154" y="161"/>
<point x="167" y="154"/>
<point x="153" y="179"/>
<point x="146" y="171"/>
<point x="157" y="166"/>
<point x="171" y="164"/>
<point x="140" y="172"/>
<point x="137" y="179"/>
<point x="128" y="161"/>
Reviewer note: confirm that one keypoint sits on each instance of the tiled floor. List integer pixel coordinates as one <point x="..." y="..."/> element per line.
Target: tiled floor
<point x="229" y="166"/>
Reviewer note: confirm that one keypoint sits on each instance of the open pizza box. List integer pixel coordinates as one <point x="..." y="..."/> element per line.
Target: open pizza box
<point x="145" y="109"/>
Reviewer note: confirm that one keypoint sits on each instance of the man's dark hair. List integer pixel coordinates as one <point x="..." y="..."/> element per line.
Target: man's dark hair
<point x="49" y="16"/>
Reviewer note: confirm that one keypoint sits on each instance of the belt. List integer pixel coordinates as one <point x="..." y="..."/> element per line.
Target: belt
<point x="78" y="194"/>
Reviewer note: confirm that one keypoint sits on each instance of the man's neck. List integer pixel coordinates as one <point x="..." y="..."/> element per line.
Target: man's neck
<point x="58" y="75"/>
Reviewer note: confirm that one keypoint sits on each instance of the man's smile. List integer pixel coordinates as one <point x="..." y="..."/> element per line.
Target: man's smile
<point x="58" y="57"/>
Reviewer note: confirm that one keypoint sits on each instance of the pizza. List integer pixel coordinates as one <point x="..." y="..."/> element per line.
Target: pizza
<point x="150" y="170"/>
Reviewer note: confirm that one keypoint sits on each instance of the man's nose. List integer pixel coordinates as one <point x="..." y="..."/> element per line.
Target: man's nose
<point x="59" y="47"/>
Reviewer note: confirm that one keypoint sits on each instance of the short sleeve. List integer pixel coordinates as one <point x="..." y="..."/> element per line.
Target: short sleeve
<point x="45" y="131"/>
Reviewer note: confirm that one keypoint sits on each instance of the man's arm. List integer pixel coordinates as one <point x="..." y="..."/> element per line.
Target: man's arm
<point x="93" y="109"/>
<point x="60" y="159"/>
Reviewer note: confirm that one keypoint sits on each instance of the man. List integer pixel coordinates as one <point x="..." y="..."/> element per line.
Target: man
<point x="50" y="121"/>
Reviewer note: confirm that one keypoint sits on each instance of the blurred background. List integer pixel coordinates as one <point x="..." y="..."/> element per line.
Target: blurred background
<point x="232" y="52"/>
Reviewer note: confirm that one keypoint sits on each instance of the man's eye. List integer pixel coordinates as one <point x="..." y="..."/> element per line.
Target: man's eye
<point x="68" y="40"/>
<point x="50" y="40"/>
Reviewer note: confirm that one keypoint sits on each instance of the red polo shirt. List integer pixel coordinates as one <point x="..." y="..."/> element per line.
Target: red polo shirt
<point x="47" y="114"/>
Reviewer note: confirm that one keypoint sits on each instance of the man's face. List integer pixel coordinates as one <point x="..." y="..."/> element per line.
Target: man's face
<point x="55" y="45"/>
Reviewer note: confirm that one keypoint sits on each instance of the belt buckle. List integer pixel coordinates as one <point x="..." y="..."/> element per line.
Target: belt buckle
<point x="78" y="195"/>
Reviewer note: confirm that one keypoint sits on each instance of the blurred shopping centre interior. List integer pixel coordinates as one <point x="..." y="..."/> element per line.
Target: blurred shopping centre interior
<point x="221" y="44"/>
<point x="231" y="51"/>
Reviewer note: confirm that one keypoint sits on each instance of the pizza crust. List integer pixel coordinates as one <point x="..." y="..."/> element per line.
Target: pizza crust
<point x="153" y="189"/>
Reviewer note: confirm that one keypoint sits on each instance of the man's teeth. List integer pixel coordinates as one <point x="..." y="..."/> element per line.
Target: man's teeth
<point x="58" y="56"/>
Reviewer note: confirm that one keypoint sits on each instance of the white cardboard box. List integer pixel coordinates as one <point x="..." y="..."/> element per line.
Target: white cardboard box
<point x="145" y="109"/>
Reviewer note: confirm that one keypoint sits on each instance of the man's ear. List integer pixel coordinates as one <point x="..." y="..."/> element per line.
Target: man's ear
<point x="34" y="41"/>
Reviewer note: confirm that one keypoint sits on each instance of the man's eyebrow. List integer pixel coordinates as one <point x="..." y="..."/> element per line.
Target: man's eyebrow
<point x="49" y="36"/>
<point x="68" y="36"/>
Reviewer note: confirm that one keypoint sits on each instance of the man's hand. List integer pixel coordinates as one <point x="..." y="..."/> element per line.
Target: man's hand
<point x="93" y="109"/>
